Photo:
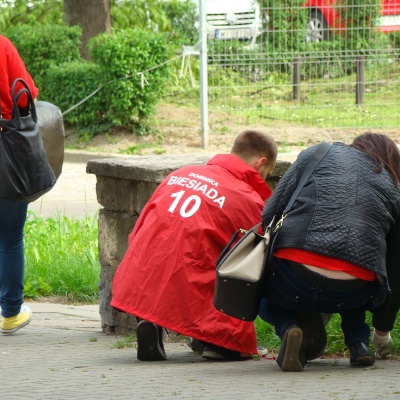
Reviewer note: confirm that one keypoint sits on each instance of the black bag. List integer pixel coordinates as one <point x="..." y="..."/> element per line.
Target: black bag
<point x="242" y="272"/>
<point x="243" y="268"/>
<point x="51" y="129"/>
<point x="25" y="173"/>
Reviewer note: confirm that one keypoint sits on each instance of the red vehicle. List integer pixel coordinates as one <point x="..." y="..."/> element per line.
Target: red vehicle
<point x="325" y="18"/>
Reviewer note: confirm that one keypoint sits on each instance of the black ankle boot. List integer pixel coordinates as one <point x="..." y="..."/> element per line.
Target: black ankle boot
<point x="291" y="357"/>
<point x="360" y="355"/>
<point x="149" y="343"/>
<point x="314" y="334"/>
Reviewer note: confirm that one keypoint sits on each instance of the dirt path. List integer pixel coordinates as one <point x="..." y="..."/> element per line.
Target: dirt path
<point x="177" y="130"/>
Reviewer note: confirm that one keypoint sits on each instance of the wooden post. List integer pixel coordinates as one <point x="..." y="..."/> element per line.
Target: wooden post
<point x="296" y="78"/>
<point x="360" y="84"/>
<point x="203" y="76"/>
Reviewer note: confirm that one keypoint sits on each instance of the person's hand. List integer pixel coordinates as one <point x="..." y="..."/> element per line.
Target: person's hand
<point x="382" y="342"/>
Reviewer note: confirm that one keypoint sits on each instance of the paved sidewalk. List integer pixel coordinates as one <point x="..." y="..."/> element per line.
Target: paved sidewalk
<point x="74" y="194"/>
<point x="62" y="354"/>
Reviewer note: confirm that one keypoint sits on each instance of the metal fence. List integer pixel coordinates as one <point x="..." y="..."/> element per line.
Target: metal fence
<point x="335" y="67"/>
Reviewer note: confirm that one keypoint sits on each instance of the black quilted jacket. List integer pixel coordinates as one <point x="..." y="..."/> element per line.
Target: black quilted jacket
<point x="345" y="211"/>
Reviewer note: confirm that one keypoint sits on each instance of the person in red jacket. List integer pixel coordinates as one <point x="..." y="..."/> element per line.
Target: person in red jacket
<point x="12" y="214"/>
<point x="11" y="68"/>
<point x="166" y="278"/>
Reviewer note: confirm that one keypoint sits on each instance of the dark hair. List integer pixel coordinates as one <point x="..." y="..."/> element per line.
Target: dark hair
<point x="251" y="143"/>
<point x="382" y="150"/>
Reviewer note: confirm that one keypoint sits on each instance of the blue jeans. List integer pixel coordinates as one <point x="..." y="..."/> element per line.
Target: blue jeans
<point x="292" y="289"/>
<point x="12" y="221"/>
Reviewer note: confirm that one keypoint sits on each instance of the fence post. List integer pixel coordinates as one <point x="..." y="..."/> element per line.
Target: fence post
<point x="296" y="77"/>
<point x="360" y="84"/>
<point x="203" y="75"/>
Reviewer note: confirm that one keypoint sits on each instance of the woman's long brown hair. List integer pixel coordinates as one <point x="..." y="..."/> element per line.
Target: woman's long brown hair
<point x="382" y="150"/>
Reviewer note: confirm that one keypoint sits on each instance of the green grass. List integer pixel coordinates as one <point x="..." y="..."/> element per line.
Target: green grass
<point x="137" y="149"/>
<point x="324" y="102"/>
<point x="128" y="341"/>
<point x="62" y="258"/>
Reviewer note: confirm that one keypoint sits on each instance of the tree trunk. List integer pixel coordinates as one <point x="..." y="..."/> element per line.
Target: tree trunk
<point x="93" y="16"/>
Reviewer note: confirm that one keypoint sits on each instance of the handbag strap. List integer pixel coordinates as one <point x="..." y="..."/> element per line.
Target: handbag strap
<point x="232" y="240"/>
<point x="15" y="97"/>
<point x="312" y="163"/>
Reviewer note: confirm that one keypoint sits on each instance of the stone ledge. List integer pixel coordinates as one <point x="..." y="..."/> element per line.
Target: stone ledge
<point x="146" y="168"/>
<point x="156" y="168"/>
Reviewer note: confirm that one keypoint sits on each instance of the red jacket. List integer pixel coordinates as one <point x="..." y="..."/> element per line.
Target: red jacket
<point x="168" y="272"/>
<point x="12" y="67"/>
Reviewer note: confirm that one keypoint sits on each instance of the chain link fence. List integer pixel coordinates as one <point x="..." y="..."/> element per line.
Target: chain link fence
<point x="332" y="66"/>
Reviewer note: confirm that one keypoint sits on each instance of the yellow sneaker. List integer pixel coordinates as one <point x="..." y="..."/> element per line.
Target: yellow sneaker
<point x="12" y="324"/>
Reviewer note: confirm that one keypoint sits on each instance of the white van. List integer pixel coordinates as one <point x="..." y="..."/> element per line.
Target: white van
<point x="233" y="19"/>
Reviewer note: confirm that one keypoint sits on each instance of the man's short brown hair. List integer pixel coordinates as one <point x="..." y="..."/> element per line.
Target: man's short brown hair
<point x="254" y="143"/>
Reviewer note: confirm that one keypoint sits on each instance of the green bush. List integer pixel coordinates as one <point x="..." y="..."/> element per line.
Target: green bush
<point x="125" y="99"/>
<point x="44" y="46"/>
<point x="70" y="83"/>
<point x="122" y="56"/>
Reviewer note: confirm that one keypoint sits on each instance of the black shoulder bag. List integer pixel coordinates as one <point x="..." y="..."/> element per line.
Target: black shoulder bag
<point x="25" y="173"/>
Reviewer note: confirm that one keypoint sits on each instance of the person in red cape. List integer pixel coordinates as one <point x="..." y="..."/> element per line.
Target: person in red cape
<point x="166" y="278"/>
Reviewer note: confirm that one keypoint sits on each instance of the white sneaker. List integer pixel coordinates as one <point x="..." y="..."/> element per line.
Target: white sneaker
<point x="383" y="344"/>
<point x="262" y="351"/>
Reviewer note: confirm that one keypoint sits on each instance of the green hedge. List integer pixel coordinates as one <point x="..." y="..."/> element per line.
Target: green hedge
<point x="121" y="57"/>
<point x="45" y="45"/>
<point x="68" y="84"/>
<point x="51" y="54"/>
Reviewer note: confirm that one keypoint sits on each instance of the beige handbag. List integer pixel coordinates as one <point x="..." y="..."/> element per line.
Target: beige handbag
<point x="242" y="271"/>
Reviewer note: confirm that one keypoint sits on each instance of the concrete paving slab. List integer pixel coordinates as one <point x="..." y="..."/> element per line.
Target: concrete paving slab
<point x="64" y="316"/>
<point x="62" y="354"/>
<point x="42" y="362"/>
